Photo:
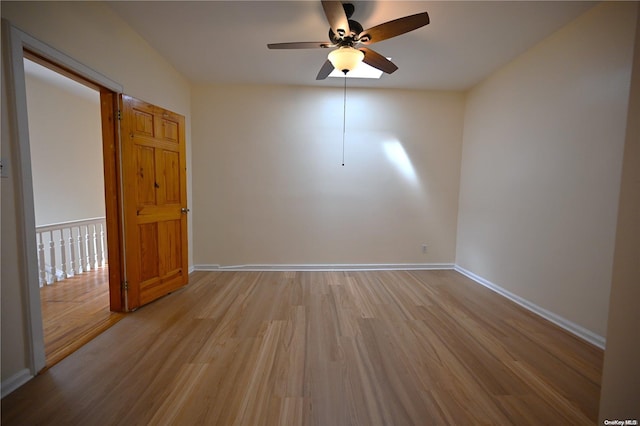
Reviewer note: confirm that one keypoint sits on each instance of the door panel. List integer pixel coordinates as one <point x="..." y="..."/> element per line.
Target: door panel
<point x="148" y="238"/>
<point x="171" y="177"/>
<point x="145" y="160"/>
<point x="169" y="131"/>
<point x="154" y="182"/>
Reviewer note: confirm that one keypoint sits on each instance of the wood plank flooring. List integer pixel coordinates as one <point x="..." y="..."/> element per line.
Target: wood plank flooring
<point x="321" y="348"/>
<point x="75" y="311"/>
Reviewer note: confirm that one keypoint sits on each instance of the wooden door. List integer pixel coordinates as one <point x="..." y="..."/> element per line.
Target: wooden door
<point x="154" y="201"/>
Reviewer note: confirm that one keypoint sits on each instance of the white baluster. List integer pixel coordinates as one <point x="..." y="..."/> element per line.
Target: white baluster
<point x="94" y="244"/>
<point x="72" y="253"/>
<point x="41" y="262"/>
<point x="101" y="247"/>
<point x="52" y="258"/>
<point x="81" y="251"/>
<point x="90" y="249"/>
<point x="105" y="244"/>
<point x="63" y="255"/>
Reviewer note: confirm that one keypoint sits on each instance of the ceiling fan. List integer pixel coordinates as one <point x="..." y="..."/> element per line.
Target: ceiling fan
<point x="350" y="39"/>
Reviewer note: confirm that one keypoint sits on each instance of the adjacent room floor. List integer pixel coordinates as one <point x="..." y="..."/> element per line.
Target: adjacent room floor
<point x="74" y="311"/>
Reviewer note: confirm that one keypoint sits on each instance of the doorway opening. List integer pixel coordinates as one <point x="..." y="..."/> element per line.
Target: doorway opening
<point x="68" y="186"/>
<point x="16" y="45"/>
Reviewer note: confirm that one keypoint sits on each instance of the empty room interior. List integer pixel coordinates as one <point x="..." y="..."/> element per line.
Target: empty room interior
<point x="453" y="241"/>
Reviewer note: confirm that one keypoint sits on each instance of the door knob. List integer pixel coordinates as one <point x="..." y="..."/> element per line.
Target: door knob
<point x="184" y="210"/>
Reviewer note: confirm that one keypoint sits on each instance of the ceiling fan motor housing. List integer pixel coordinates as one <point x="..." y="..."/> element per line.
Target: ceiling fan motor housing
<point x="347" y="39"/>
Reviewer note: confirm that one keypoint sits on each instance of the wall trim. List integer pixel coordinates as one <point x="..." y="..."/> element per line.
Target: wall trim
<point x="14" y="382"/>
<point x="326" y="267"/>
<point x="13" y="43"/>
<point x="564" y="323"/>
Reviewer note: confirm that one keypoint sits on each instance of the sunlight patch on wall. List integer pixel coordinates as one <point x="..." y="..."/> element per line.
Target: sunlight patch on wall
<point x="397" y="155"/>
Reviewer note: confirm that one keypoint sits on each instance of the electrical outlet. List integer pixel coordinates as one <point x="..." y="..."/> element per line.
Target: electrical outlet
<point x="424" y="248"/>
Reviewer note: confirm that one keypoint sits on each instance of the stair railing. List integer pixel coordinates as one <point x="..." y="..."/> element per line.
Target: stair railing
<point x="69" y="248"/>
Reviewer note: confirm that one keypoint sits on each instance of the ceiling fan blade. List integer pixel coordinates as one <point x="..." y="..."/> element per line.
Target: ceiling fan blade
<point x="394" y="28"/>
<point x="300" y="45"/>
<point x="334" y="11"/>
<point x="326" y="69"/>
<point x="376" y="60"/>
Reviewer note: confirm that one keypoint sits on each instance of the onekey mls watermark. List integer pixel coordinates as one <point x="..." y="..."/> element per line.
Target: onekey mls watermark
<point x="621" y="422"/>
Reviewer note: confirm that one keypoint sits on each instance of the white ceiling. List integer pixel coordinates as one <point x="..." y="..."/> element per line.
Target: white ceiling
<point x="225" y="41"/>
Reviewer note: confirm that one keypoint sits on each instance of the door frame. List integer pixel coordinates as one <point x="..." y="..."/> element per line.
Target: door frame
<point x="15" y="43"/>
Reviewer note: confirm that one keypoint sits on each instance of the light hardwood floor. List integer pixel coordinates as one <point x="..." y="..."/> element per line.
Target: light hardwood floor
<point x="74" y="311"/>
<point x="321" y="348"/>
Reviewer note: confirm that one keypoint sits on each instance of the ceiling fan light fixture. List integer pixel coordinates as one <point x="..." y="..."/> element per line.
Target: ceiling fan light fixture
<point x="345" y="58"/>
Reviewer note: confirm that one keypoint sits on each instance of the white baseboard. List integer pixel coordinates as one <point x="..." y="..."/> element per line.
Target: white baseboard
<point x="15" y="381"/>
<point x="564" y="323"/>
<point x="327" y="267"/>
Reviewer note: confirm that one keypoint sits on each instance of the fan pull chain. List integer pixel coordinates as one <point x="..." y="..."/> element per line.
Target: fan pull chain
<point x="344" y="116"/>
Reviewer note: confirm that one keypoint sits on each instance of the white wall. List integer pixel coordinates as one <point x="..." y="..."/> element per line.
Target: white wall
<point x="541" y="162"/>
<point x="92" y="34"/>
<point x="269" y="187"/>
<point x="65" y="137"/>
